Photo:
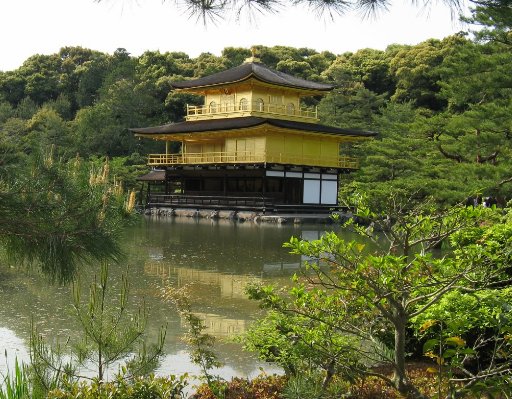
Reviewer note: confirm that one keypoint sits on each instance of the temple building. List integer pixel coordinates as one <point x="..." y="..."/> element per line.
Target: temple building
<point x="251" y="145"/>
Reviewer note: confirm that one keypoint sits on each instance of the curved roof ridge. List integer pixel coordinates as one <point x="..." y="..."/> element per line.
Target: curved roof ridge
<point x="252" y="69"/>
<point x="247" y="122"/>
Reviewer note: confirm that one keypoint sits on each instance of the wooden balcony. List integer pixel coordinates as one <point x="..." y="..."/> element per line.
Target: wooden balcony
<point x="242" y="157"/>
<point x="255" y="109"/>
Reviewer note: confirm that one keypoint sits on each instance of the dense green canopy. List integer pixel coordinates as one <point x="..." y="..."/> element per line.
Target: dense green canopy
<point x="442" y="107"/>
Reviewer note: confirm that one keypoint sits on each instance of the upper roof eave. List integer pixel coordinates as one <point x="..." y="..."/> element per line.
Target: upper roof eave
<point x="250" y="70"/>
<point x="203" y="126"/>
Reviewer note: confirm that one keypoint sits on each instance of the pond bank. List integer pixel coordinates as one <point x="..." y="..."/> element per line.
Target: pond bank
<point x="252" y="216"/>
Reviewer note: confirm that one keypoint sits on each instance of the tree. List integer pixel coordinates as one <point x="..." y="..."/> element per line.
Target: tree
<point x="417" y="73"/>
<point x="90" y="79"/>
<point x="98" y="130"/>
<point x="474" y="131"/>
<point x="111" y="334"/>
<point x="353" y="107"/>
<point x="403" y="159"/>
<point x="494" y="19"/>
<point x="457" y="149"/>
<point x="59" y="215"/>
<point x="235" y="56"/>
<point x="374" y="294"/>
<point x="46" y="129"/>
<point x="214" y="10"/>
<point x="366" y="68"/>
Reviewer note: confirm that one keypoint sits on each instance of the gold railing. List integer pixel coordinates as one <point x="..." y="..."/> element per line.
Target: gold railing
<point x="226" y="157"/>
<point x="199" y="111"/>
<point x="333" y="162"/>
<point x="201" y="158"/>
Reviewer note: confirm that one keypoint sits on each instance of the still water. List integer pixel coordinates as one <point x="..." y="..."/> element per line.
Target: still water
<point x="214" y="259"/>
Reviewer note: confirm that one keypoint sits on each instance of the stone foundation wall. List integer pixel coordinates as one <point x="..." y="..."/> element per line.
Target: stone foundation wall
<point x="240" y="216"/>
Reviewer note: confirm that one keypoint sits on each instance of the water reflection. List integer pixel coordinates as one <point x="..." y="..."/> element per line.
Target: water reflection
<point x="214" y="259"/>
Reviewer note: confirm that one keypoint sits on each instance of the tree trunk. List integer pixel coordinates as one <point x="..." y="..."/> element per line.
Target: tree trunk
<point x="328" y="375"/>
<point x="400" y="379"/>
<point x="100" y="365"/>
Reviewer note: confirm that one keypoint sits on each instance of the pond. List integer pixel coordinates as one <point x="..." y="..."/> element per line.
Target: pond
<point x="214" y="259"/>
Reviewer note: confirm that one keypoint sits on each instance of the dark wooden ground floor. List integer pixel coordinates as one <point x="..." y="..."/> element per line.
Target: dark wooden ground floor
<point x="256" y="187"/>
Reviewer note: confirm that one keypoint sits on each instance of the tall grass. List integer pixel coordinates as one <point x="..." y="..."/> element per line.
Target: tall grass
<point x="15" y="385"/>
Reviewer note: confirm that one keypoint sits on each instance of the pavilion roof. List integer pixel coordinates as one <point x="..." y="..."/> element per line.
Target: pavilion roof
<point x="154" y="175"/>
<point x="210" y="125"/>
<point x="254" y="70"/>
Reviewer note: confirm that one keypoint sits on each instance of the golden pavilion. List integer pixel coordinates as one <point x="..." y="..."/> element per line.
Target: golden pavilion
<point x="251" y="145"/>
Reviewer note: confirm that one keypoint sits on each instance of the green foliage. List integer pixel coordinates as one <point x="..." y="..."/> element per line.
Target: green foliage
<point x="468" y="331"/>
<point x="347" y="297"/>
<point x="201" y="344"/>
<point x="261" y="387"/>
<point x="66" y="214"/>
<point x="366" y="68"/>
<point x="493" y="20"/>
<point x="352" y="107"/>
<point x="16" y="385"/>
<point x="298" y="344"/>
<point x="302" y="386"/>
<point x="48" y="368"/>
<point x="417" y="73"/>
<point x="45" y="129"/>
<point x="111" y="334"/>
<point x="149" y="387"/>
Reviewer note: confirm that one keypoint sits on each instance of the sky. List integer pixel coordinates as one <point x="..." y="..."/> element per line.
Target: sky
<point x="29" y="27"/>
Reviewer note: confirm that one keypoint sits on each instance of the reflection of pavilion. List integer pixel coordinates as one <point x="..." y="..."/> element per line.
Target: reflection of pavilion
<point x="217" y="298"/>
<point x="222" y="326"/>
<point x="228" y="285"/>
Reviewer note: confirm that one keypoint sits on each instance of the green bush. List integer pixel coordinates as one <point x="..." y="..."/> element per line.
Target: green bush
<point x="151" y="387"/>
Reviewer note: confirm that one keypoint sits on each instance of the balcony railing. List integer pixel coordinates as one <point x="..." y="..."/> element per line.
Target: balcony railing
<point x="201" y="158"/>
<point x="209" y="201"/>
<point x="254" y="108"/>
<point x="227" y="157"/>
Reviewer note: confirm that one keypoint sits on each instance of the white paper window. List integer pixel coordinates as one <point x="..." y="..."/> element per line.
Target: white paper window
<point x="275" y="173"/>
<point x="311" y="192"/>
<point x="329" y="192"/>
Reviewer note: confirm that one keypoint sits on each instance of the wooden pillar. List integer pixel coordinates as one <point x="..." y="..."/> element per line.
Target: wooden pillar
<point x="141" y="197"/>
<point x="285" y="199"/>
<point x="264" y="183"/>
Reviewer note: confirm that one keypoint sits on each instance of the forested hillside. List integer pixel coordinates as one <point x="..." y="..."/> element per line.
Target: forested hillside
<point x="442" y="108"/>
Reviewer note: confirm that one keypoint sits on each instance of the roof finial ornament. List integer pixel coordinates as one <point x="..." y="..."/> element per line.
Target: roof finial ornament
<point x="253" y="57"/>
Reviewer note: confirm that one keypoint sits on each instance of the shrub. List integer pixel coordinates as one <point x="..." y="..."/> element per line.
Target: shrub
<point x="151" y="387"/>
<point x="261" y="387"/>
